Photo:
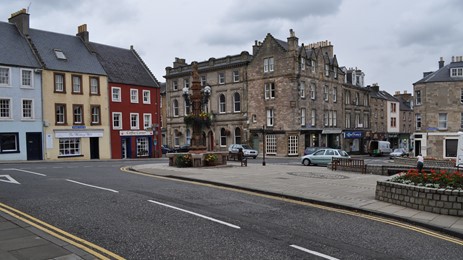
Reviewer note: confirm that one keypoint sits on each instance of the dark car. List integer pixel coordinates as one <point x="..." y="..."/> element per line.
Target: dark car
<point x="311" y="150"/>
<point x="182" y="149"/>
<point x="165" y="149"/>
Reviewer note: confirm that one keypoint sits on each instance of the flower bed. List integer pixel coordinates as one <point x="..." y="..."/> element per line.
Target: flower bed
<point x="434" y="191"/>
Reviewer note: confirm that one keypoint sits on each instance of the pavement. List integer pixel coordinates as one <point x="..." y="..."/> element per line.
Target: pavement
<point x="353" y="191"/>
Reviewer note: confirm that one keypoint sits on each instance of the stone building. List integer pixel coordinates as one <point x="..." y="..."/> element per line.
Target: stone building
<point x="438" y="109"/>
<point x="407" y="123"/>
<point x="227" y="105"/>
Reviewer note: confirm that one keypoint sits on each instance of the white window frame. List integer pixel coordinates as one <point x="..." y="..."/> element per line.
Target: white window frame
<point x="187" y="108"/>
<point x="10" y="108"/>
<point x="418" y="97"/>
<point x="303" y="116"/>
<point x="313" y="117"/>
<point x="293" y="145"/>
<point x="134" y="121"/>
<point x="312" y="91"/>
<point x="7" y="77"/>
<point x="270" y="117"/>
<point x="442" y="120"/>
<point x="335" y="94"/>
<point x="116" y="94"/>
<point x="174" y="85"/>
<point x="327" y="70"/>
<point x="302" y="63"/>
<point x="7" y="149"/>
<point x="78" y="118"/>
<point x="147" y="121"/>
<point x="418" y="121"/>
<point x="348" y="123"/>
<point x="31" y="80"/>
<point x="269" y="64"/>
<point x="76" y="84"/>
<point x="186" y="83"/>
<point x="142" y="146"/>
<point x="271" y="144"/>
<point x="175" y="111"/>
<point x="146" y="97"/>
<point x="69" y="147"/>
<point x="222" y="104"/>
<point x="335" y="119"/>
<point x="223" y="137"/>
<point x="456" y="72"/>
<point x="94" y="85"/>
<point x="31" y="109"/>
<point x="236" y="76"/>
<point x="117" y="115"/>
<point x="95" y="117"/>
<point x="312" y="65"/>
<point x="325" y="93"/>
<point x="221" y="78"/>
<point x="302" y="89"/>
<point x="269" y="90"/>
<point x="134" y="96"/>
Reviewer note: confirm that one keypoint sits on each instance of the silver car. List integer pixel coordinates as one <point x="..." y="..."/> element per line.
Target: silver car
<point x="323" y="156"/>
<point x="247" y="150"/>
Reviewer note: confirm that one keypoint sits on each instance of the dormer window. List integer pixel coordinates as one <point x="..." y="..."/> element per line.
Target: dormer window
<point x="456" y="72"/>
<point x="60" y="54"/>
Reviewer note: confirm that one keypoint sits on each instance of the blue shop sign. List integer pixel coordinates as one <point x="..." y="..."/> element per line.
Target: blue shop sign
<point x="351" y="135"/>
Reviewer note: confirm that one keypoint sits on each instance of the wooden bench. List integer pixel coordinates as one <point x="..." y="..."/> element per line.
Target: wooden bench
<point x="356" y="165"/>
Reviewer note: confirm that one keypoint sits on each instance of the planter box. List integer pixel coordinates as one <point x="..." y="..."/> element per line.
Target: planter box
<point x="440" y="201"/>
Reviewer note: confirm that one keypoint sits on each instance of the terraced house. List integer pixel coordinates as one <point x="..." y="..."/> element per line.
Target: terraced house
<point x="20" y="97"/>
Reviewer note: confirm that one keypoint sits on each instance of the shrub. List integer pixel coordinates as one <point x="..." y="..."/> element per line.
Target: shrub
<point x="433" y="179"/>
<point x="183" y="160"/>
<point x="210" y="158"/>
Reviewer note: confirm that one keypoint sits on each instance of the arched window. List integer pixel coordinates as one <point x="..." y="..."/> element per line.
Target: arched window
<point x="222" y="103"/>
<point x="237" y="135"/>
<point x="175" y="107"/>
<point x="187" y="108"/>
<point x="223" y="137"/>
<point x="236" y="102"/>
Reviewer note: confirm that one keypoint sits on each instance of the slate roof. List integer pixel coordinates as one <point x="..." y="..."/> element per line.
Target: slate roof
<point x="14" y="48"/>
<point x="442" y="75"/>
<point x="124" y="66"/>
<point x="78" y="58"/>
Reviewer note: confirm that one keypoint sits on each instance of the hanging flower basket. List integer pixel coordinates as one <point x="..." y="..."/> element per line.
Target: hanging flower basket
<point x="201" y="120"/>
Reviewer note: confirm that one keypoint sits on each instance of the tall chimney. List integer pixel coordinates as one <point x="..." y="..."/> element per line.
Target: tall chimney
<point x="441" y="63"/>
<point x="21" y="20"/>
<point x="83" y="33"/>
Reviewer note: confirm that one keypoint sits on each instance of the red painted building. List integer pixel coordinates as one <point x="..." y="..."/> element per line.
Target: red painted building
<point x="134" y="103"/>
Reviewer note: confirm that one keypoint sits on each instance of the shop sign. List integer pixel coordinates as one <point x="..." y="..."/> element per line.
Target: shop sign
<point x="353" y="134"/>
<point x="135" y="133"/>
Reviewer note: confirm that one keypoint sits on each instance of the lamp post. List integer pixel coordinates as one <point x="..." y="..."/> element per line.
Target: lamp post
<point x="197" y="98"/>
<point x="263" y="145"/>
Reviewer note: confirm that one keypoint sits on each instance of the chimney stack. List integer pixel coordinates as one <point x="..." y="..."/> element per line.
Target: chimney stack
<point x="83" y="33"/>
<point x="21" y="20"/>
<point x="293" y="41"/>
<point x="441" y="63"/>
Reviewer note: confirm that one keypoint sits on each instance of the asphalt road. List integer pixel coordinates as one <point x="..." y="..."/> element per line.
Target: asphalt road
<point x="141" y="217"/>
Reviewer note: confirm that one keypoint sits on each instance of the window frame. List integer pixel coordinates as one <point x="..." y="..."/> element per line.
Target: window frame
<point x="23" y="109"/>
<point x="8" y="110"/>
<point x="137" y="121"/>
<point x="221" y="78"/>
<point x="418" y="97"/>
<point x="119" y="120"/>
<point x="16" y="142"/>
<point x="31" y="80"/>
<point x="75" y="77"/>
<point x="147" y="123"/>
<point x="134" y="98"/>
<point x="75" y="115"/>
<point x="94" y="115"/>
<point x="7" y="77"/>
<point x="55" y="82"/>
<point x="442" y="123"/>
<point x="69" y="147"/>
<point x="418" y="121"/>
<point x="236" y="102"/>
<point x="269" y="90"/>
<point x="303" y="120"/>
<point x="313" y="89"/>
<point x="118" y="93"/>
<point x="236" y="76"/>
<point x="63" y="115"/>
<point x="175" y="111"/>
<point x="146" y="96"/>
<point x="222" y="104"/>
<point x="270" y="117"/>
<point x="93" y="87"/>
<point x="269" y="64"/>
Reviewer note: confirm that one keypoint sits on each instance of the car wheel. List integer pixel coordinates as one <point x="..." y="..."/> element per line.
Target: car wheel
<point x="254" y="157"/>
<point x="306" y="162"/>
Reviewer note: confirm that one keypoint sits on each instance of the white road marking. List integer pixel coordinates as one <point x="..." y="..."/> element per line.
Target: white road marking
<point x="314" y="252"/>
<point x="196" y="214"/>
<point x="93" y="186"/>
<point x="9" y="179"/>
<point x="14" y="169"/>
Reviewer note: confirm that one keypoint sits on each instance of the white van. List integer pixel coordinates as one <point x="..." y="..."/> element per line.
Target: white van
<point x="378" y="148"/>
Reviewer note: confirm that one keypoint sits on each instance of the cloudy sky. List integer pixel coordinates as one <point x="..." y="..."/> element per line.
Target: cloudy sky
<point x="393" y="42"/>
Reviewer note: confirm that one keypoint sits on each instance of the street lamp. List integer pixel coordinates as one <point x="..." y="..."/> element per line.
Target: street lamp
<point x="263" y="145"/>
<point x="198" y="98"/>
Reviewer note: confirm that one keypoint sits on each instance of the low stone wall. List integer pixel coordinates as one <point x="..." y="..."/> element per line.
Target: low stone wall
<point x="440" y="201"/>
<point x="427" y="162"/>
<point x="198" y="158"/>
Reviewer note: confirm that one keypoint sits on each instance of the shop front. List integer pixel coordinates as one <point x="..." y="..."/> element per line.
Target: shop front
<point x="354" y="142"/>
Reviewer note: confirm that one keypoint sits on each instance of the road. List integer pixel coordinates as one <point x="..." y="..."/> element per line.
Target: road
<point x="140" y="217"/>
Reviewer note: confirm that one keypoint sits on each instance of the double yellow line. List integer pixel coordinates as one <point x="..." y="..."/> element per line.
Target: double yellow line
<point x="88" y="247"/>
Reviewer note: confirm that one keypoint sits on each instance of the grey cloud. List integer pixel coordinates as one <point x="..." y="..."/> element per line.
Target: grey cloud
<point x="292" y="10"/>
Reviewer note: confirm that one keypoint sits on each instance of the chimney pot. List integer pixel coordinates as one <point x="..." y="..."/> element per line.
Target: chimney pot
<point x="21" y="20"/>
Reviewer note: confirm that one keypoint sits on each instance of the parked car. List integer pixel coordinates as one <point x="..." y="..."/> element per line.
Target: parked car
<point x="182" y="149"/>
<point x="399" y="152"/>
<point x="165" y="149"/>
<point x="311" y="150"/>
<point x="247" y="150"/>
<point x="323" y="156"/>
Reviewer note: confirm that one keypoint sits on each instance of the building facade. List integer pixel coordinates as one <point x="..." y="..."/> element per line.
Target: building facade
<point x="438" y="109"/>
<point x="21" y="134"/>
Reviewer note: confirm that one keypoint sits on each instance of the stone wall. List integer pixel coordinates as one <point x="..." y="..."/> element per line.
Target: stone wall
<point x="427" y="162"/>
<point x="440" y="201"/>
